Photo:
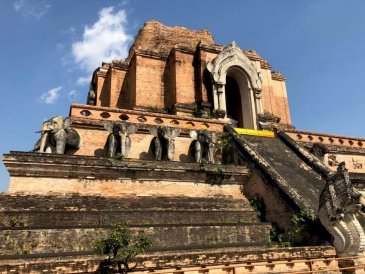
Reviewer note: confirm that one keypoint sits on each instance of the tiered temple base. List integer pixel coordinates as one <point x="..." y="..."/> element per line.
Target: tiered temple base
<point x="196" y="215"/>
<point x="72" y="200"/>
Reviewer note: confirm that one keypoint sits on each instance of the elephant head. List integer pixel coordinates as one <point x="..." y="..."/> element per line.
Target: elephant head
<point x="204" y="145"/>
<point x="118" y="139"/>
<point x="56" y="135"/>
<point x="164" y="141"/>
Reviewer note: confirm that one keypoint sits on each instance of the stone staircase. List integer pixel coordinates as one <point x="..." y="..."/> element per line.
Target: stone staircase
<point x="39" y="224"/>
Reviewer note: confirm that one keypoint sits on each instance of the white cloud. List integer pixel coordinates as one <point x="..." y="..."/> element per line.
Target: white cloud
<point x="83" y="81"/>
<point x="31" y="8"/>
<point x="51" y="96"/>
<point x="105" y="40"/>
<point x="72" y="95"/>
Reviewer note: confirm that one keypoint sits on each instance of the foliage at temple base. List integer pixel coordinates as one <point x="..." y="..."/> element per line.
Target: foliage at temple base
<point x="121" y="246"/>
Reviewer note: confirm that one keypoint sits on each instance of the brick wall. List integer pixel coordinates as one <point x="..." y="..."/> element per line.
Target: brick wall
<point x="149" y="81"/>
<point x="117" y="79"/>
<point x="276" y="209"/>
<point x="185" y="82"/>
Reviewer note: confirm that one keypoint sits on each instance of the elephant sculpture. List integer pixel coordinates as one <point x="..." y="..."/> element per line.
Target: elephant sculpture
<point x="56" y="135"/>
<point x="91" y="96"/>
<point x="164" y="141"/>
<point x="338" y="205"/>
<point x="118" y="139"/>
<point x="204" y="145"/>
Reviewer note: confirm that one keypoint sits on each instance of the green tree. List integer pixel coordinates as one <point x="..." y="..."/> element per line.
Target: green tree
<point x="121" y="246"/>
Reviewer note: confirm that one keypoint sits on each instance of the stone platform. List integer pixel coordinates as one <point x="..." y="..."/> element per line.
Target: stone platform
<point x="73" y="200"/>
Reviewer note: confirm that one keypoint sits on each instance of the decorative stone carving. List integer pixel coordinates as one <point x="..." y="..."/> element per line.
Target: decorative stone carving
<point x="164" y="141"/>
<point x="332" y="160"/>
<point x="118" y="139"/>
<point x="56" y="135"/>
<point x="218" y="113"/>
<point x="229" y="57"/>
<point x="356" y="164"/>
<point x="319" y="150"/>
<point x="204" y="145"/>
<point x="268" y="121"/>
<point x="91" y="96"/>
<point x="232" y="61"/>
<point x="339" y="202"/>
<point x="268" y="117"/>
<point x="276" y="75"/>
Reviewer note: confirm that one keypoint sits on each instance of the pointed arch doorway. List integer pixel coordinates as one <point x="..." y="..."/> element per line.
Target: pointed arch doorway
<point x="236" y="87"/>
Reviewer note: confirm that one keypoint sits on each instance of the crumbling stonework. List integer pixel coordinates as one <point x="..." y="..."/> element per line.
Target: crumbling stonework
<point x="167" y="69"/>
<point x="148" y="149"/>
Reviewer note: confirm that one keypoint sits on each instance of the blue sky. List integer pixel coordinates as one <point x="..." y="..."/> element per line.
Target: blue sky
<point x="49" y="49"/>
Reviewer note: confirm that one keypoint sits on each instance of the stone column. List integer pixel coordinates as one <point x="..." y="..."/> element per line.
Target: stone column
<point x="253" y="108"/>
<point x="258" y="101"/>
<point x="215" y="97"/>
<point x="221" y="92"/>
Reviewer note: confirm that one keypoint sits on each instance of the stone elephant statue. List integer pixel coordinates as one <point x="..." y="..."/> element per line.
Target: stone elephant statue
<point x="56" y="135"/>
<point x="164" y="141"/>
<point x="204" y="145"/>
<point x="338" y="205"/>
<point x="118" y="139"/>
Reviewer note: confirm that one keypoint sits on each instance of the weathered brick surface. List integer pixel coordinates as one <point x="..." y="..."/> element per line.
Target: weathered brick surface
<point x="167" y="66"/>
<point x="67" y="211"/>
<point x="117" y="79"/>
<point x="121" y="187"/>
<point x="185" y="82"/>
<point x="149" y="82"/>
<point x="156" y="37"/>
<point x="277" y="209"/>
<point x="241" y="261"/>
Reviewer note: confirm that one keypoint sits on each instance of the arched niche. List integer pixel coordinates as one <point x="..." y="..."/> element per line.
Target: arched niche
<point x="234" y="65"/>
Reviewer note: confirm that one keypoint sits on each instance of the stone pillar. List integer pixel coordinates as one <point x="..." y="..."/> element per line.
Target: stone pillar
<point x="258" y="101"/>
<point x="221" y="91"/>
<point x="215" y="97"/>
<point x="253" y="108"/>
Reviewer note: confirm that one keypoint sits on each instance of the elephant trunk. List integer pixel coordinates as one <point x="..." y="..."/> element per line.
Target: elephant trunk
<point x="123" y="138"/>
<point x="198" y="152"/>
<point x="158" y="148"/>
<point x="171" y="149"/>
<point x="112" y="145"/>
<point x="43" y="141"/>
<point x="60" y="137"/>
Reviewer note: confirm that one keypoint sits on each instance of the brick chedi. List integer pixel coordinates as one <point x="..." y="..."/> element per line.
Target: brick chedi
<point x="193" y="143"/>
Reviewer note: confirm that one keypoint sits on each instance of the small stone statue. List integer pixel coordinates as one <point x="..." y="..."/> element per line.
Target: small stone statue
<point x="164" y="141"/>
<point x="319" y="150"/>
<point x="118" y="139"/>
<point x="204" y="145"/>
<point x="91" y="96"/>
<point x="56" y="135"/>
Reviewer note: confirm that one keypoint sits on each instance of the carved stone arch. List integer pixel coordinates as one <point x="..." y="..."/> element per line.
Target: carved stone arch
<point x="233" y="59"/>
<point x="232" y="56"/>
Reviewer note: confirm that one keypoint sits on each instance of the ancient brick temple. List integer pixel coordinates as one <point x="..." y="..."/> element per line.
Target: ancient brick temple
<point x="191" y="142"/>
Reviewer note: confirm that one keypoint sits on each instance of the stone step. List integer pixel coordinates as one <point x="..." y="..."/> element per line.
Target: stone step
<point x="172" y="237"/>
<point x="77" y="202"/>
<point x="99" y="218"/>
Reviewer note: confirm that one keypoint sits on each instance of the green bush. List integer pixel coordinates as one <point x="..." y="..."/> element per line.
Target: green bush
<point x="121" y="246"/>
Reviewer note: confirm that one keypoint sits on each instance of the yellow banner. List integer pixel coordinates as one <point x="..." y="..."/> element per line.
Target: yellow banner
<point x="263" y="133"/>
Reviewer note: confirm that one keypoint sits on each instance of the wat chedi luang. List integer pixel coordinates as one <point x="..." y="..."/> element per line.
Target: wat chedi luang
<point x="191" y="142"/>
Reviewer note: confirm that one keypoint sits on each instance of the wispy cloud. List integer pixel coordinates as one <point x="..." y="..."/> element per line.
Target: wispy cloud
<point x="105" y="40"/>
<point x="51" y="96"/>
<point x="29" y="8"/>
<point x="72" y="95"/>
<point x="83" y="81"/>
